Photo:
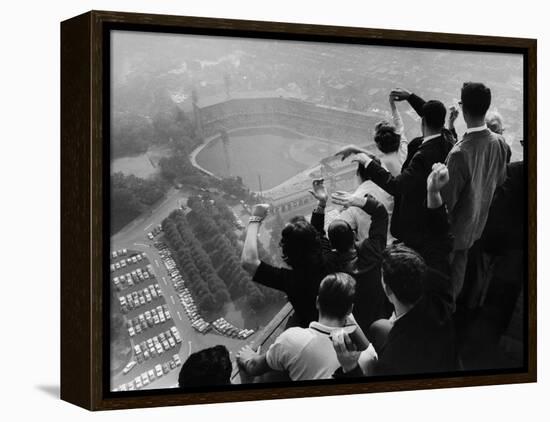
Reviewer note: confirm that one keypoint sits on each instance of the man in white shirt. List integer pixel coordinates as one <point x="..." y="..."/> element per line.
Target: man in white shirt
<point x="307" y="353"/>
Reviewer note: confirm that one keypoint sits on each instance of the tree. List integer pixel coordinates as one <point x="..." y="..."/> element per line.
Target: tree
<point x="131" y="134"/>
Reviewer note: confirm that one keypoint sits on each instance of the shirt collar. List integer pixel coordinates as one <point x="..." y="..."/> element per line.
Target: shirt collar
<point x="394" y="318"/>
<point x="429" y="138"/>
<point x="476" y="129"/>
<point x="325" y="329"/>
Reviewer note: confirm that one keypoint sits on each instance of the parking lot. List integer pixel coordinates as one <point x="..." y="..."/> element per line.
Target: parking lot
<point x="137" y="240"/>
<point x="155" y="339"/>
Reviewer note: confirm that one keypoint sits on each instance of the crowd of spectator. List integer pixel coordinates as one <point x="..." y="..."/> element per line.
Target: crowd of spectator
<point x="429" y="244"/>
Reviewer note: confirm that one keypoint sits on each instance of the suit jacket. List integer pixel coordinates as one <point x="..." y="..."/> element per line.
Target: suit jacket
<point x="423" y="339"/>
<point x="409" y="188"/>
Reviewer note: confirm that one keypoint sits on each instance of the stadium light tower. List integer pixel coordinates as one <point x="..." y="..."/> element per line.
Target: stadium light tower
<point x="225" y="142"/>
<point x="260" y="184"/>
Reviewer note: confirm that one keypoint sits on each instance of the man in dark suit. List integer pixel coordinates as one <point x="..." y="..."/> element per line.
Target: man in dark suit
<point x="419" y="336"/>
<point x="409" y="187"/>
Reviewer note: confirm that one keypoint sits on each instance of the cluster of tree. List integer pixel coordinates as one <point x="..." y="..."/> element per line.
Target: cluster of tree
<point x="213" y="223"/>
<point x="235" y="186"/>
<point x="173" y="126"/>
<point x="131" y="135"/>
<point x="207" y="250"/>
<point x="130" y="195"/>
<point x="178" y="169"/>
<point x="196" y="266"/>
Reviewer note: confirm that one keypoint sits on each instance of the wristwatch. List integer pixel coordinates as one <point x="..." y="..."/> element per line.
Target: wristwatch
<point x="255" y="219"/>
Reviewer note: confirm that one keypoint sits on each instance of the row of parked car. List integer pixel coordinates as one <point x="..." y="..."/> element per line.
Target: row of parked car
<point x="134" y="259"/>
<point x="157" y="345"/>
<point x="134" y="277"/>
<point x="186" y="299"/>
<point x="149" y="376"/>
<point x="155" y="232"/>
<point x="139" y="298"/>
<point x="226" y="328"/>
<point x="119" y="252"/>
<point x="148" y="319"/>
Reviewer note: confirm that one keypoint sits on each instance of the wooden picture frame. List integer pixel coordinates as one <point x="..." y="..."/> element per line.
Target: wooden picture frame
<point x="84" y="204"/>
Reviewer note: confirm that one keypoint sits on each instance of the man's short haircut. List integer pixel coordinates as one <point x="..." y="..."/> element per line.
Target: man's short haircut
<point x="386" y="137"/>
<point x="403" y="272"/>
<point x="340" y="235"/>
<point x="494" y="122"/>
<point x="362" y="171"/>
<point x="336" y="295"/>
<point x="476" y="98"/>
<point x="206" y="367"/>
<point x="434" y="113"/>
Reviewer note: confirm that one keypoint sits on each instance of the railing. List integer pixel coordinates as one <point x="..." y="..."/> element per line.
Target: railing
<point x="267" y="336"/>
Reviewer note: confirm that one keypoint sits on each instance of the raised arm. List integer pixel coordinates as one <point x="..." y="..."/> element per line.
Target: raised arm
<point x="250" y="260"/>
<point x="396" y="116"/>
<point x="395" y="185"/>
<point x="453" y="114"/>
<point x="319" y="192"/>
<point x="417" y="103"/>
<point x="378" y="230"/>
<point x="438" y="282"/>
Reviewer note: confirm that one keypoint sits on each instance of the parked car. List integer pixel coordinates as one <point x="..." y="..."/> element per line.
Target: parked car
<point x="129" y="367"/>
<point x="145" y="379"/>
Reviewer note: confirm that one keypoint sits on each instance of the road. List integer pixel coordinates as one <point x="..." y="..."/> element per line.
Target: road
<point x="134" y="237"/>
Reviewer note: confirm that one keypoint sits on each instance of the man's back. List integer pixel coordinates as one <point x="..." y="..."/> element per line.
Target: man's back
<point x="360" y="221"/>
<point x="304" y="353"/>
<point x="477" y="166"/>
<point x="422" y="340"/>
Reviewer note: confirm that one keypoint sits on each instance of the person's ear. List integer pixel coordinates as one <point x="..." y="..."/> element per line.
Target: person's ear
<point x="317" y="303"/>
<point x="386" y="288"/>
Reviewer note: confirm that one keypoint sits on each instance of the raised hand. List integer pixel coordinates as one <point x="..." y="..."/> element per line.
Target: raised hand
<point x="453" y="114"/>
<point x="347" y="199"/>
<point x="399" y="94"/>
<point x="438" y="178"/>
<point x="319" y="191"/>
<point x="346" y="352"/>
<point x="260" y="210"/>
<point x="362" y="158"/>
<point x="348" y="150"/>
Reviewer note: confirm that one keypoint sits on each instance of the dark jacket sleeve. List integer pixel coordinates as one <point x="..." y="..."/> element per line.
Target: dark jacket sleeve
<point x="274" y="277"/>
<point x="453" y="133"/>
<point x="438" y="286"/>
<point x="410" y="178"/>
<point x="318" y="222"/>
<point x="416" y="103"/>
<point x="378" y="230"/>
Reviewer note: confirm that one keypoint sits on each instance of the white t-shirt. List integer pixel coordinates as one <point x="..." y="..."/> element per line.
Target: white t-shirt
<point x="359" y="220"/>
<point x="304" y="353"/>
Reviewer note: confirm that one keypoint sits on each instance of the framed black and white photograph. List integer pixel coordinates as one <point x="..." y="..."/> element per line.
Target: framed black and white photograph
<point x="258" y="210"/>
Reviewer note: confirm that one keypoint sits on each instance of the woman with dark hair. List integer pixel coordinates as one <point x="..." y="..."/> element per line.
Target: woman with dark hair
<point x="391" y="141"/>
<point x="302" y="250"/>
